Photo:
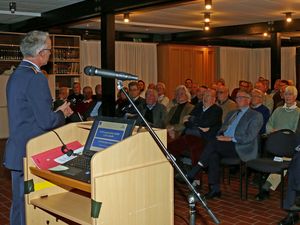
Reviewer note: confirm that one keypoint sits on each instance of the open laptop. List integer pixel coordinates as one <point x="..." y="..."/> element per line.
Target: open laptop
<point x="105" y="132"/>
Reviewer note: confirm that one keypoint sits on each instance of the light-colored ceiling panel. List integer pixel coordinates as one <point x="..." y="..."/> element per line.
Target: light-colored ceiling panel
<point x="35" y="6"/>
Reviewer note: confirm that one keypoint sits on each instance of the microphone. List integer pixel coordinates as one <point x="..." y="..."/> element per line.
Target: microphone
<point x="93" y="71"/>
<point x="64" y="148"/>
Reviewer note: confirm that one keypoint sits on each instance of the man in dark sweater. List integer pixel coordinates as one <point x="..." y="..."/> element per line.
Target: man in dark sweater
<point x="202" y="125"/>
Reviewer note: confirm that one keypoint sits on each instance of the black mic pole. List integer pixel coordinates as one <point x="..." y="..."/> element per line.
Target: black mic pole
<point x="171" y="159"/>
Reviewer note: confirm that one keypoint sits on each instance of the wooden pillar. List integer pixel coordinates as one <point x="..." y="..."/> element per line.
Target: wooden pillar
<point x="275" y="57"/>
<point x="108" y="62"/>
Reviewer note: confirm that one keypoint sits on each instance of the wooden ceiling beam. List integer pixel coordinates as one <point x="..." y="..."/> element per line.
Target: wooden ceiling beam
<point x="245" y="29"/>
<point x="121" y="6"/>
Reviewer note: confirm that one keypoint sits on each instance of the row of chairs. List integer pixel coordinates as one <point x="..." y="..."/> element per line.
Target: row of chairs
<point x="281" y="143"/>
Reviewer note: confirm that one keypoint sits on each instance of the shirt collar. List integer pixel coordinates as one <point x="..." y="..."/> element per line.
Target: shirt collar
<point x="294" y="106"/>
<point x="35" y="66"/>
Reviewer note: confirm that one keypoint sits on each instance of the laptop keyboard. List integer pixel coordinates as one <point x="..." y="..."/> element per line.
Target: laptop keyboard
<point x="82" y="161"/>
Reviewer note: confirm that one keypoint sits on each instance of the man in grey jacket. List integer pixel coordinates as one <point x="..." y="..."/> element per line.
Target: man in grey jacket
<point x="236" y="138"/>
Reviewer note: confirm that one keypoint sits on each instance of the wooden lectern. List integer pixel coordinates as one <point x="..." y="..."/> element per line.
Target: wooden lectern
<point x="131" y="183"/>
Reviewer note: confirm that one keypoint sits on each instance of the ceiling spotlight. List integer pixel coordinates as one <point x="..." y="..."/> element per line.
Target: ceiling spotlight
<point x="12" y="7"/>
<point x="206" y="26"/>
<point x="207" y="17"/>
<point x="288" y="17"/>
<point x="126" y="17"/>
<point x="208" y="4"/>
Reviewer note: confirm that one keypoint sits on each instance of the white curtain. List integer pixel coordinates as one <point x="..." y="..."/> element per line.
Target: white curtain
<point x="288" y="63"/>
<point x="136" y="58"/>
<point x="90" y="55"/>
<point x="248" y="64"/>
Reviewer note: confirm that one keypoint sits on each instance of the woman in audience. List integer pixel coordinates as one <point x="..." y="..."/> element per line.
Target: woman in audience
<point x="176" y="115"/>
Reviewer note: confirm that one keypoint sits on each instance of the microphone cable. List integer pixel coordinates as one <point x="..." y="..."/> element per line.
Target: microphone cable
<point x="64" y="148"/>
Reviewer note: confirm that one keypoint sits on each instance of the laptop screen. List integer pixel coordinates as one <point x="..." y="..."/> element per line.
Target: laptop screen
<point x="107" y="131"/>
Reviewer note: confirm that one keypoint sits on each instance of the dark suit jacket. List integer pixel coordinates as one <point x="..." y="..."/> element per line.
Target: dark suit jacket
<point x="159" y="113"/>
<point x="130" y="110"/>
<point x="246" y="133"/>
<point x="29" y="111"/>
<point x="211" y="118"/>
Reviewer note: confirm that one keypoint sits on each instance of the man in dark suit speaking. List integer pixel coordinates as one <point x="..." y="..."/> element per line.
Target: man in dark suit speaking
<point x="237" y="138"/>
<point x="29" y="111"/>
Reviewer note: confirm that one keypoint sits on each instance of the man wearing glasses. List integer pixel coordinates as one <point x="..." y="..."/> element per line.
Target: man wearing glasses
<point x="30" y="113"/>
<point x="237" y="138"/>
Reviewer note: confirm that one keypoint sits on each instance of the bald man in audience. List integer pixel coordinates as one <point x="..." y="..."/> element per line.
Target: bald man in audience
<point x="268" y="99"/>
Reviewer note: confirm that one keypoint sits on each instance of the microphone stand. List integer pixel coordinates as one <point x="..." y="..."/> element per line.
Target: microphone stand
<point x="195" y="196"/>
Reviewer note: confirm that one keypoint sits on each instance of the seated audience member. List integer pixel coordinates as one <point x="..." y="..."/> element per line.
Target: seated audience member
<point x="63" y="94"/>
<point x="154" y="112"/>
<point x="87" y="101"/>
<point x="220" y="82"/>
<point x="162" y="99"/>
<point x="250" y="87"/>
<point x="278" y="96"/>
<point x="291" y="83"/>
<point x="291" y="202"/>
<point x="188" y="84"/>
<point x="224" y="101"/>
<point x="76" y="97"/>
<point x="285" y="117"/>
<point x="134" y="93"/>
<point x="98" y="93"/>
<point x="266" y="82"/>
<point x="176" y="116"/>
<point x="121" y="103"/>
<point x="142" y="86"/>
<point x="257" y="105"/>
<point x="236" y="138"/>
<point x="193" y="93"/>
<point x="199" y="95"/>
<point x="202" y="125"/>
<point x="214" y="86"/>
<point x="268" y="99"/>
<point x="95" y="108"/>
<point x="151" y="86"/>
<point x="243" y="86"/>
<point x="275" y="87"/>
